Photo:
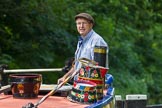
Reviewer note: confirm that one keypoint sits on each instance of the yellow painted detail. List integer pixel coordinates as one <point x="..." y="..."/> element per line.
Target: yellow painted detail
<point x="100" y="51"/>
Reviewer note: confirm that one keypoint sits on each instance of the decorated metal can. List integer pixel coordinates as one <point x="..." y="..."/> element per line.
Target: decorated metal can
<point x="94" y="74"/>
<point x="83" y="92"/>
<point x="25" y="85"/>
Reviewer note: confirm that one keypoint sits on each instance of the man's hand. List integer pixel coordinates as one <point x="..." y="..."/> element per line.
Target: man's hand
<point x="60" y="80"/>
<point x="68" y="74"/>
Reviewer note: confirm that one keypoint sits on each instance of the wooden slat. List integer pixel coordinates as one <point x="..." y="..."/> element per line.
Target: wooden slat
<point x="48" y="87"/>
<point x="154" y="106"/>
<point x="32" y="70"/>
<point x="44" y="87"/>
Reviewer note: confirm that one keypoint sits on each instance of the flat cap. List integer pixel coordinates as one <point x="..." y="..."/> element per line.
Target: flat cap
<point x="86" y="16"/>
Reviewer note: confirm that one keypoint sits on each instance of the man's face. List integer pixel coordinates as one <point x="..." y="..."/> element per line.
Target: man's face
<point x="83" y="26"/>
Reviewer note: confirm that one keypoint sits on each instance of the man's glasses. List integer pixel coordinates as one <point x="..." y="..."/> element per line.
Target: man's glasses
<point x="82" y="23"/>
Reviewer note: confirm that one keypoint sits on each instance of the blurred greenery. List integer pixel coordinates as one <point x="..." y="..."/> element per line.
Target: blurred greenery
<point x="42" y="34"/>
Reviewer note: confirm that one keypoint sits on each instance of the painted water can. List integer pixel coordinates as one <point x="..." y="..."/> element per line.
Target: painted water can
<point x="83" y="92"/>
<point x="25" y="85"/>
<point x="94" y="74"/>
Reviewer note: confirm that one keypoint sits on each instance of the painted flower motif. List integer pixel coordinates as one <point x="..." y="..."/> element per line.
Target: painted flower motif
<point x="77" y="86"/>
<point x="36" y="89"/>
<point x="82" y="72"/>
<point x="79" y="95"/>
<point x="76" y="94"/>
<point x="87" y="68"/>
<point x="94" y="71"/>
<point x="74" y="84"/>
<point x="86" y="97"/>
<point x="96" y="75"/>
<point x="89" y="97"/>
<point x="20" y="88"/>
<point x="82" y="96"/>
<point x="92" y="75"/>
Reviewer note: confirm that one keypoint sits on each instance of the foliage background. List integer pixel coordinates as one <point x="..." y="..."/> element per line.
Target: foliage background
<point x="42" y="34"/>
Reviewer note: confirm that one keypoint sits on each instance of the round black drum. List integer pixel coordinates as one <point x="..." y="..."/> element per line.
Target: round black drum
<point x="25" y="85"/>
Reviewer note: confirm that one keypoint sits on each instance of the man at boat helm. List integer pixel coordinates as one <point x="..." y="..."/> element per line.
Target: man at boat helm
<point x="88" y="39"/>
